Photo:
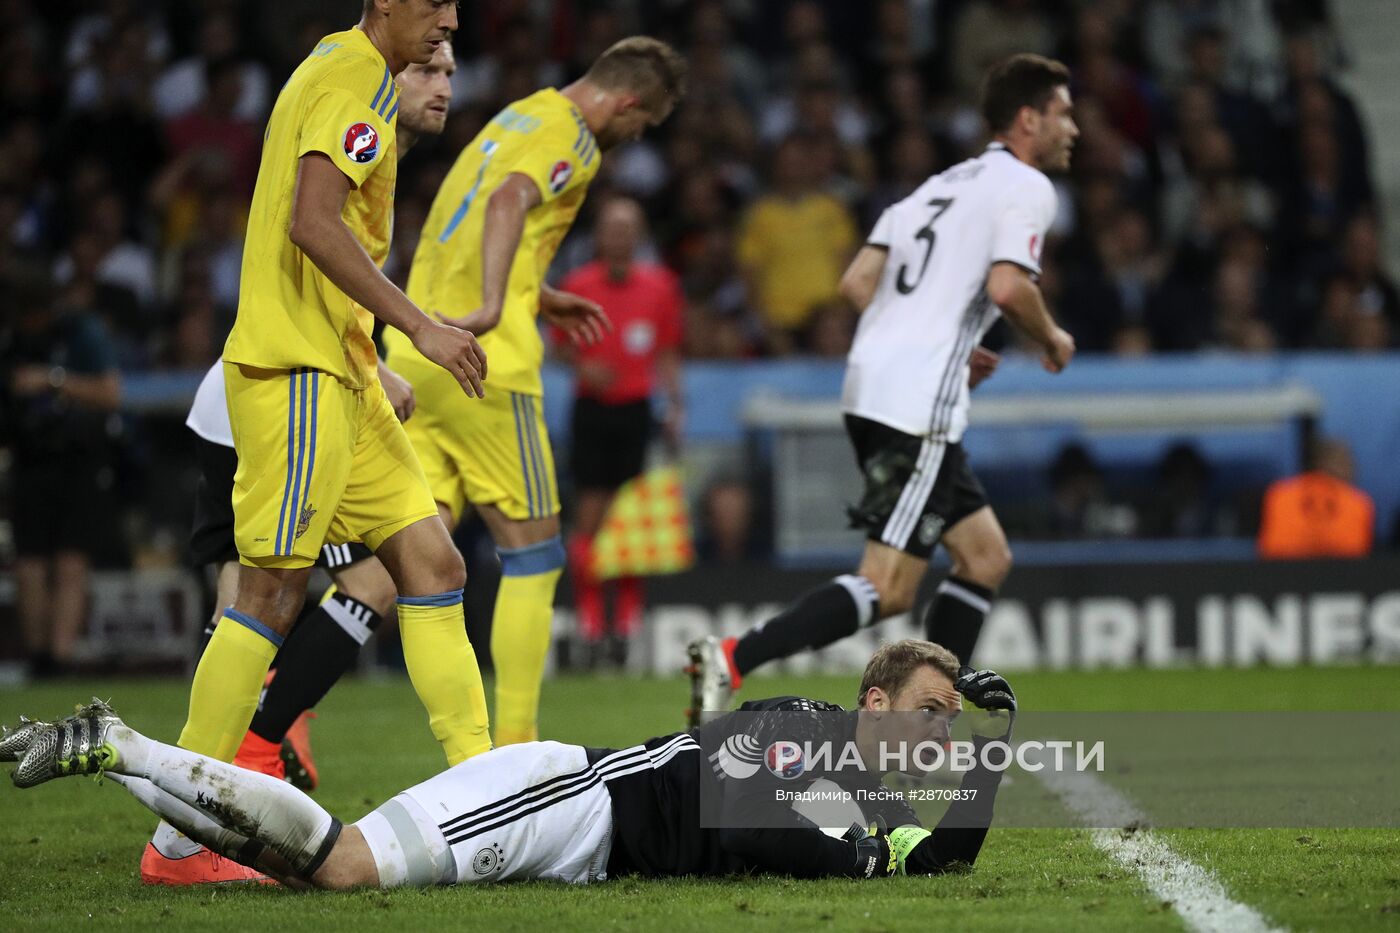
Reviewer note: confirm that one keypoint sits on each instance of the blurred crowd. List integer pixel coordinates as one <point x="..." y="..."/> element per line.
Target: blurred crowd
<point x="1221" y="194"/>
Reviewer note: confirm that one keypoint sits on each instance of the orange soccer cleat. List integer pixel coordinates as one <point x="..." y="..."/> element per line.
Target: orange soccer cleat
<point x="200" y="866"/>
<point x="297" y="763"/>
<point x="258" y="754"/>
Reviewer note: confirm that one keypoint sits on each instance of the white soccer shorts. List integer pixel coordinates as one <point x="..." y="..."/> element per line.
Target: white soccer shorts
<point x="535" y="810"/>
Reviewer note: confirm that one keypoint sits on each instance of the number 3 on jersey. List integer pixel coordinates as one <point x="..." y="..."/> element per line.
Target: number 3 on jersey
<point x="926" y="234"/>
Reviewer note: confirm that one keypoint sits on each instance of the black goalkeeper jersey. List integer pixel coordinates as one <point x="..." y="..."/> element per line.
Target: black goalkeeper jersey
<point x="656" y="790"/>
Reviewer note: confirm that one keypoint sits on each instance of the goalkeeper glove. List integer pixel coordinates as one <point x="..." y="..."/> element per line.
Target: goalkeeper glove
<point x="884" y="852"/>
<point x="992" y="699"/>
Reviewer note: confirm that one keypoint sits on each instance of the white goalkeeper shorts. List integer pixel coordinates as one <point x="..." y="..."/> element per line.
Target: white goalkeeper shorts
<point x="535" y="810"/>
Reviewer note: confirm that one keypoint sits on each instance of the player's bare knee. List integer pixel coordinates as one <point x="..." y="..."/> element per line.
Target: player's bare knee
<point x="438" y="570"/>
<point x="989" y="564"/>
<point x="896" y="598"/>
<point x="1004" y="562"/>
<point x="448" y="570"/>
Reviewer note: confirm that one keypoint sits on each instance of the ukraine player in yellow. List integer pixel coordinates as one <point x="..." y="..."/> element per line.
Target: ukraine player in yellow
<point x="320" y="450"/>
<point x="488" y="240"/>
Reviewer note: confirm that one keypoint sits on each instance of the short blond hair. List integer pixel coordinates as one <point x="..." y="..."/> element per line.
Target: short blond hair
<point x="892" y="665"/>
<point x="648" y="66"/>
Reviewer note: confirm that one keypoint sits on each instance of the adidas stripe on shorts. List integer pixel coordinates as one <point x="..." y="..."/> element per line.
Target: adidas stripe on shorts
<point x="534" y="810"/>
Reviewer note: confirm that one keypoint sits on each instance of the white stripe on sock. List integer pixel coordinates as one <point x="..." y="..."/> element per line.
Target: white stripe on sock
<point x="864" y="593"/>
<point x="963" y="594"/>
<point x="346" y="619"/>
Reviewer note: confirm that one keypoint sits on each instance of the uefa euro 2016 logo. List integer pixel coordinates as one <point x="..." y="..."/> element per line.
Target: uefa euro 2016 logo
<point x="361" y="142"/>
<point x="785" y="760"/>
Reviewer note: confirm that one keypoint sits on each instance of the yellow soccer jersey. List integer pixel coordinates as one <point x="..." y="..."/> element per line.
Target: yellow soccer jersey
<point x="341" y="101"/>
<point x="544" y="137"/>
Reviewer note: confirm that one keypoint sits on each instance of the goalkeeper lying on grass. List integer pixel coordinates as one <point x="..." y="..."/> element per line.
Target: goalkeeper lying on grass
<point x="705" y="802"/>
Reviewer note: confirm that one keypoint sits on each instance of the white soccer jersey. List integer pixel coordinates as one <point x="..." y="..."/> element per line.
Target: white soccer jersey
<point x="208" y="415"/>
<point x="908" y="364"/>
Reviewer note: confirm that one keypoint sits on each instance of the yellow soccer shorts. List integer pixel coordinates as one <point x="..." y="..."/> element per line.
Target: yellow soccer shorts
<point x="317" y="460"/>
<point x="490" y="451"/>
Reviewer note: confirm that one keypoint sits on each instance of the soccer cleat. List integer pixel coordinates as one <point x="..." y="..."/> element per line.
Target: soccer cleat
<point x="296" y="754"/>
<point x="258" y="754"/>
<point x="713" y="678"/>
<point x="199" y="867"/>
<point x="76" y="744"/>
<point x="15" y="742"/>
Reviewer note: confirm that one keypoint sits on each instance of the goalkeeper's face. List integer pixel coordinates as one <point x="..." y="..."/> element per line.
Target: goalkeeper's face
<point x="921" y="710"/>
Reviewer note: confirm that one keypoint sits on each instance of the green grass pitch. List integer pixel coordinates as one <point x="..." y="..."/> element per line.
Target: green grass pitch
<point x="69" y="850"/>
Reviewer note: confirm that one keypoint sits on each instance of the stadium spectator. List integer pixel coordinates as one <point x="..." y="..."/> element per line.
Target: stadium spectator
<point x="913" y="157"/>
<point x="1318" y="513"/>
<point x="1110" y="304"/>
<point x="116" y="129"/>
<point x="1103" y="78"/>
<point x="1205" y="123"/>
<point x="1239" y="321"/>
<point x="726" y="533"/>
<point x="514" y="66"/>
<point x="793" y="243"/>
<point x="1243" y="116"/>
<point x="1318" y="202"/>
<point x="1079" y="502"/>
<point x="990" y="30"/>
<point x="1375" y="291"/>
<point x="817" y="106"/>
<point x="1311" y="93"/>
<point x="711" y="35"/>
<point x="1198" y="99"/>
<point x="216" y="127"/>
<point x="1181" y="504"/>
<point x="59" y="382"/>
<point x="188" y="83"/>
<point x="1353" y="318"/>
<point x="101" y="22"/>
<point x="121" y="261"/>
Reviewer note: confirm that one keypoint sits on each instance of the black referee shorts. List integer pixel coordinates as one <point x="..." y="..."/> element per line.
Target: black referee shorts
<point x="211" y="540"/>
<point x="608" y="443"/>
<point x="915" y="487"/>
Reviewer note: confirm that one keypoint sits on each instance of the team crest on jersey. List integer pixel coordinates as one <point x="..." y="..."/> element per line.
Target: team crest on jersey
<point x="361" y="142"/>
<point x="487" y="860"/>
<point x="304" y="519"/>
<point x="559" y="176"/>
<point x="930" y="529"/>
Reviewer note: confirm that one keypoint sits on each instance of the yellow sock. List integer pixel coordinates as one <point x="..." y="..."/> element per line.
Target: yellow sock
<point x="520" y="629"/>
<point x="444" y="673"/>
<point x="227" y="685"/>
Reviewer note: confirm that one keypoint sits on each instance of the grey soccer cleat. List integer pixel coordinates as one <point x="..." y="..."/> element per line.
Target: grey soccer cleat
<point x="76" y="744"/>
<point x="711" y="684"/>
<point x="15" y="742"/>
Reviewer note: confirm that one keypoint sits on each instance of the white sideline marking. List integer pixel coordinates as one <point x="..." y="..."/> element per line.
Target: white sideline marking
<point x="1195" y="894"/>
